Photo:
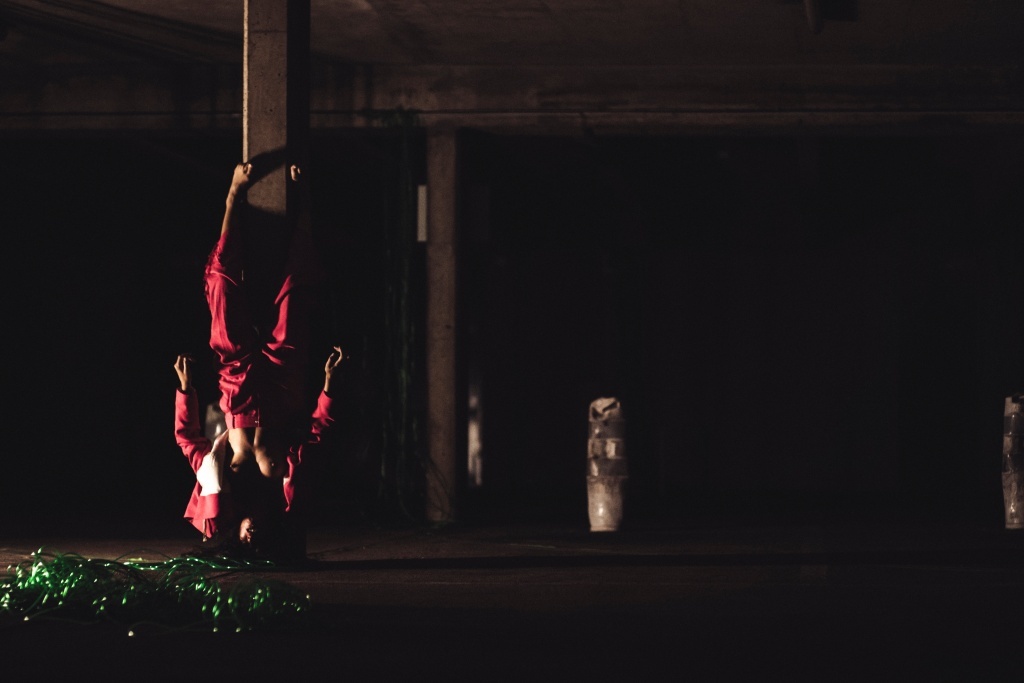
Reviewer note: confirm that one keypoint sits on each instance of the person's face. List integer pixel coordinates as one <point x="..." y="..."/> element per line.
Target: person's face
<point x="246" y="531"/>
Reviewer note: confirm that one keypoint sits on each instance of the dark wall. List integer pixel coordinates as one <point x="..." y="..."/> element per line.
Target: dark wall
<point x="785" y="319"/>
<point x="793" y="324"/>
<point x="107" y="239"/>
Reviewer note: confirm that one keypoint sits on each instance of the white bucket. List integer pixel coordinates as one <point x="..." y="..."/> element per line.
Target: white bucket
<point x="606" y="465"/>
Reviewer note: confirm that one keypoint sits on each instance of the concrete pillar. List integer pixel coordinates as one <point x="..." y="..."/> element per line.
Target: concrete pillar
<point x="441" y="270"/>
<point x="275" y="135"/>
<point x="275" y="101"/>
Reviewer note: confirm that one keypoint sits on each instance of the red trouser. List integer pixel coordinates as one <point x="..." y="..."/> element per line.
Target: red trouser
<point x="262" y="372"/>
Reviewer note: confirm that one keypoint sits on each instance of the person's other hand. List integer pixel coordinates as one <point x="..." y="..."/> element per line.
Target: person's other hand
<point x="333" y="362"/>
<point x="183" y="366"/>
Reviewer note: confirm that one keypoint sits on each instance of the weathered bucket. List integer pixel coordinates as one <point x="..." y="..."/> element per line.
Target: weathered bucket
<point x="607" y="471"/>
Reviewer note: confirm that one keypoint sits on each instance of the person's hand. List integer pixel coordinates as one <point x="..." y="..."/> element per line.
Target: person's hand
<point x="241" y="175"/>
<point x="333" y="362"/>
<point x="303" y="220"/>
<point x="183" y="366"/>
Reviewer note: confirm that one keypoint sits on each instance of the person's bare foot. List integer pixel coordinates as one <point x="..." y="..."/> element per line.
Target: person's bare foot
<point x="295" y="172"/>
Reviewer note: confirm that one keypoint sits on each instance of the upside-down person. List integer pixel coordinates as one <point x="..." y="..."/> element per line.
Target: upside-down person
<point x="251" y="489"/>
<point x="234" y="506"/>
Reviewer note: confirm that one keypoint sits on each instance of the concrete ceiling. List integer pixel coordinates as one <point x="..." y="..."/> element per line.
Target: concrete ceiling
<point x="572" y="56"/>
<point x="538" y="32"/>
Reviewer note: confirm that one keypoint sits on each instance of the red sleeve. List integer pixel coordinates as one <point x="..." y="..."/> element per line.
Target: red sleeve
<point x="323" y="417"/>
<point x="305" y="454"/>
<point x="187" y="433"/>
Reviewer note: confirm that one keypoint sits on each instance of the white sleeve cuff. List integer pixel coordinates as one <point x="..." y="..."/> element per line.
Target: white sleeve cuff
<point x="209" y="475"/>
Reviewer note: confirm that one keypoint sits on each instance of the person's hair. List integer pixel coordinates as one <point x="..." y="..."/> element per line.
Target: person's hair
<point x="259" y="499"/>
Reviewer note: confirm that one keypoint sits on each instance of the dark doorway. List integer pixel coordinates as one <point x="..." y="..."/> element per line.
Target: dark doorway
<point x="793" y="324"/>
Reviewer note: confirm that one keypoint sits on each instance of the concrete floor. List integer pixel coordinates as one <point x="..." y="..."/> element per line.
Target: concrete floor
<point x="681" y="601"/>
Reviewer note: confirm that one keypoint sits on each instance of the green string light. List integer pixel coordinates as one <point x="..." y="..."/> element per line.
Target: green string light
<point x="182" y="593"/>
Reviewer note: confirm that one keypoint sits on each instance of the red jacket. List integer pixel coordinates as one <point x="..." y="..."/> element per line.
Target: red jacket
<point x="210" y="505"/>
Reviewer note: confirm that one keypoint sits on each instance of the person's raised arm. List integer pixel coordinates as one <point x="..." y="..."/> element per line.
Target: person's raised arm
<point x="187" y="432"/>
<point x="183" y="366"/>
<point x="332" y="364"/>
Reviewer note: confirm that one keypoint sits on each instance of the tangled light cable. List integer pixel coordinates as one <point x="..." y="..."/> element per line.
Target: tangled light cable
<point x="180" y="593"/>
